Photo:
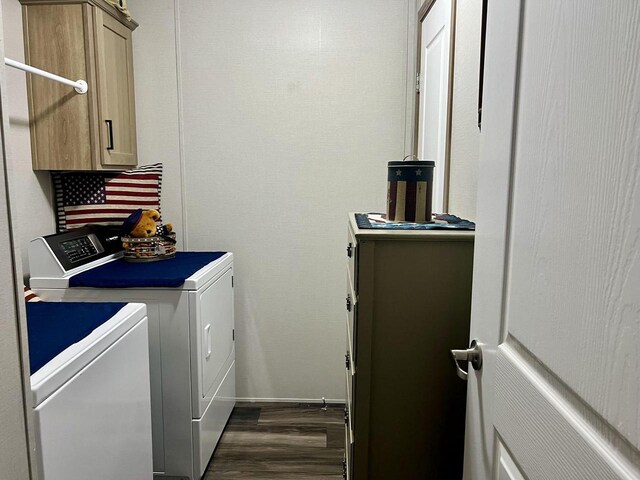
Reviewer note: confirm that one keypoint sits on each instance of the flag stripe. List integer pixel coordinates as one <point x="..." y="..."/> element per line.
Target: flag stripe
<point x="133" y="184"/>
<point x="96" y="219"/>
<point x="133" y="178"/>
<point x="86" y="215"/>
<point x="30" y="296"/>
<point x="410" y="202"/>
<point x="401" y="197"/>
<point x="421" y="203"/>
<point x="140" y="172"/>
<point x="75" y="219"/>
<point x="119" y="195"/>
<point x="393" y="194"/>
<point x="134" y="202"/>
<point x="84" y="209"/>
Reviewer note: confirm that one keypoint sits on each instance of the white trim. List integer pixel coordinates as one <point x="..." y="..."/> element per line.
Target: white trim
<point x="289" y="400"/>
<point x="501" y="82"/>
<point x="183" y="186"/>
<point x="410" y="76"/>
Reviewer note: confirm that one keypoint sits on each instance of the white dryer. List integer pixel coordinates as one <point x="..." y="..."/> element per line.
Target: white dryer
<point x="191" y="333"/>
<point x="90" y="389"/>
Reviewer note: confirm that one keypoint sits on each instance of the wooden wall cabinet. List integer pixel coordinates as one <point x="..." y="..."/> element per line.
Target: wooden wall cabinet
<point x="80" y="39"/>
<point x="408" y="304"/>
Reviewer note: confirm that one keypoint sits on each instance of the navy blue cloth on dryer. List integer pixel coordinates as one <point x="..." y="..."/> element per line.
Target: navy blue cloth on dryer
<point x="164" y="273"/>
<point x="54" y="326"/>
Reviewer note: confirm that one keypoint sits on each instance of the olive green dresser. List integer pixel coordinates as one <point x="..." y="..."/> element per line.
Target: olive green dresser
<point x="408" y="304"/>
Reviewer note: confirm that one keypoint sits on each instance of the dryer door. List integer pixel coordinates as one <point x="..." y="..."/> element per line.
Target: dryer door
<point x="214" y="341"/>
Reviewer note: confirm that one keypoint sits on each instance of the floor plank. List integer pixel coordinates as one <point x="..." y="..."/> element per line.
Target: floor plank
<point x="244" y="416"/>
<point x="284" y="436"/>
<point x="272" y="476"/>
<point x="301" y="415"/>
<point x="335" y="436"/>
<point x="280" y="441"/>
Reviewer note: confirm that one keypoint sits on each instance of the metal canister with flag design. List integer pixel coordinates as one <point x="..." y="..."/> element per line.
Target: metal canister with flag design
<point x="409" y="190"/>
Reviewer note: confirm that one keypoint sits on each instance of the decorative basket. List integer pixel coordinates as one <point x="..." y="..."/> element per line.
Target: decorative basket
<point x="149" y="249"/>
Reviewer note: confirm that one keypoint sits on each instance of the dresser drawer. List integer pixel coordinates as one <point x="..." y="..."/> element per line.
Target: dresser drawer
<point x="348" y="410"/>
<point x="352" y="255"/>
<point x="347" y="466"/>
<point x="349" y="355"/>
<point x="351" y="305"/>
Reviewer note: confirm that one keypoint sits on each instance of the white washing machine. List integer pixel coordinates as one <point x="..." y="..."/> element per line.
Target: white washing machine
<point x="90" y="389"/>
<point x="191" y="333"/>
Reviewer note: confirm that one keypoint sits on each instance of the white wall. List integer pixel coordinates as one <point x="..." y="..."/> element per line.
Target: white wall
<point x="32" y="200"/>
<point x="154" y="51"/>
<point x="290" y="114"/>
<point x="465" y="136"/>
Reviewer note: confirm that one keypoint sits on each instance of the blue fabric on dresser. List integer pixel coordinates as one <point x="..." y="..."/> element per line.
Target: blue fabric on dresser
<point x="164" y="273"/>
<point x="54" y="326"/>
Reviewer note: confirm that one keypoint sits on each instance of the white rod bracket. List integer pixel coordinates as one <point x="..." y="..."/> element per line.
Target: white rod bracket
<point x="80" y="86"/>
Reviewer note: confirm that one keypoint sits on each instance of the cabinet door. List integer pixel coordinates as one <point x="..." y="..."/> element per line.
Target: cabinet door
<point x="62" y="122"/>
<point x="116" y="101"/>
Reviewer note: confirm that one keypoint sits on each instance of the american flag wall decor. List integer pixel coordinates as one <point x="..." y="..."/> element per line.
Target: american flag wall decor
<point x="410" y="191"/>
<point x="105" y="198"/>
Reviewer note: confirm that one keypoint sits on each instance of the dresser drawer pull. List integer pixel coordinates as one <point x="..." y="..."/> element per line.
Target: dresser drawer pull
<point x="348" y="303"/>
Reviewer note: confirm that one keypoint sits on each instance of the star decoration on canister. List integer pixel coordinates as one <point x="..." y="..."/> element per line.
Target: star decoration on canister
<point x="398" y="173"/>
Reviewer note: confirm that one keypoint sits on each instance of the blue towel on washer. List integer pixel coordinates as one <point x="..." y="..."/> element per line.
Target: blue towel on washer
<point x="54" y="326"/>
<point x="164" y="273"/>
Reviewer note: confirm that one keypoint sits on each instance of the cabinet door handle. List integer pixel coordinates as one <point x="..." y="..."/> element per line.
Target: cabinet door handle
<point x="348" y="303"/>
<point x="350" y="250"/>
<point x="110" y="133"/>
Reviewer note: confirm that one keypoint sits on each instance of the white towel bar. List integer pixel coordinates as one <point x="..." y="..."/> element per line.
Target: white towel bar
<point x="80" y="86"/>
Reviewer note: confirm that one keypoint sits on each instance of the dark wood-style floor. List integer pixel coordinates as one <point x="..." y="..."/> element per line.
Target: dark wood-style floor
<point x="269" y="441"/>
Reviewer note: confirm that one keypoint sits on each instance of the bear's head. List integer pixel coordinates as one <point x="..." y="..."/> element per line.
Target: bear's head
<point x="141" y="223"/>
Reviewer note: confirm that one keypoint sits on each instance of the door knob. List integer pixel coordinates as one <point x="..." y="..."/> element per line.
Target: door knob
<point x="473" y="355"/>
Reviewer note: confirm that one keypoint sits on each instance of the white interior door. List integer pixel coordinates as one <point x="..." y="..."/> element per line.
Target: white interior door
<point x="556" y="291"/>
<point x="433" y="115"/>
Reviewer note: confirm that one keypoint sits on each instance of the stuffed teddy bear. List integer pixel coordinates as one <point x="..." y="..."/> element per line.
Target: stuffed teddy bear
<point x="142" y="223"/>
<point x="144" y="240"/>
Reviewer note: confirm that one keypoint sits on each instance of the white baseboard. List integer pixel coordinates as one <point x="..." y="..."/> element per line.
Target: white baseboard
<point x="288" y="400"/>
